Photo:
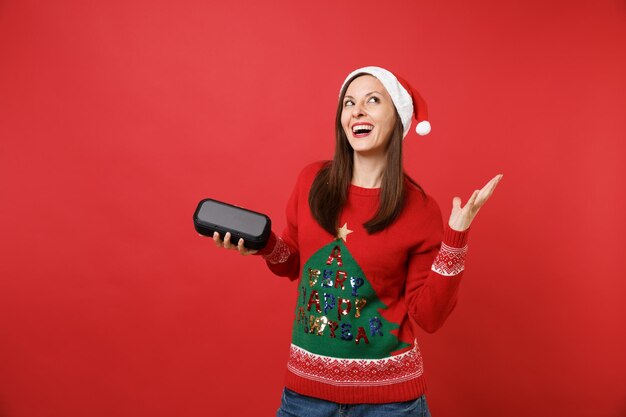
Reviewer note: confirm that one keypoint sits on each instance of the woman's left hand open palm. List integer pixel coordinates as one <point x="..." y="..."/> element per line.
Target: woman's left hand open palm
<point x="461" y="217"/>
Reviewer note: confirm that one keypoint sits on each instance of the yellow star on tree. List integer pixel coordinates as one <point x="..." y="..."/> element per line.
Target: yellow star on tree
<point x="343" y="232"/>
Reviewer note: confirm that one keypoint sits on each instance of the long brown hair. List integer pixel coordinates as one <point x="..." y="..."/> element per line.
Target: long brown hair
<point x="329" y="191"/>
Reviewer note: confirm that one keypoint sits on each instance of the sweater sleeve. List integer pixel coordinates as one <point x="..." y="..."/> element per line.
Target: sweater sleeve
<point x="281" y="253"/>
<point x="434" y="276"/>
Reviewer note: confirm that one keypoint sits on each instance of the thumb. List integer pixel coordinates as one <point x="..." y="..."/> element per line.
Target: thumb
<point x="456" y="203"/>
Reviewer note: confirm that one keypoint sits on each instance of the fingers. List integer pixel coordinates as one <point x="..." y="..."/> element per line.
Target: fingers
<point x="491" y="185"/>
<point x="217" y="240"/>
<point x="241" y="248"/>
<point x="472" y="199"/>
<point x="461" y="218"/>
<point x="487" y="190"/>
<point x="227" y="244"/>
<point x="456" y="203"/>
<point x="222" y="243"/>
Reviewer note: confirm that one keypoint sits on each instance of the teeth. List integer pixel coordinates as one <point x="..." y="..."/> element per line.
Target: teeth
<point x="362" y="127"/>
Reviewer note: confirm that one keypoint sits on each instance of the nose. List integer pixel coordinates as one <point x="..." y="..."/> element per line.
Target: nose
<point x="357" y="110"/>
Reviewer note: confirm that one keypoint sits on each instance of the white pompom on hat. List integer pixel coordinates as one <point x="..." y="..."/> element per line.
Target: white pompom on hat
<point x="406" y="99"/>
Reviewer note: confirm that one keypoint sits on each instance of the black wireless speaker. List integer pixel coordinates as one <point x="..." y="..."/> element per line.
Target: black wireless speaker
<point x="216" y="216"/>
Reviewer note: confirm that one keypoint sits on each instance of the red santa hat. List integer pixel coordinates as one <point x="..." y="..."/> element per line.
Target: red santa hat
<point x="406" y="99"/>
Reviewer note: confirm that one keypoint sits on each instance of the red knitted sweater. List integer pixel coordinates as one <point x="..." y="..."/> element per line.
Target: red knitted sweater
<point x="352" y="339"/>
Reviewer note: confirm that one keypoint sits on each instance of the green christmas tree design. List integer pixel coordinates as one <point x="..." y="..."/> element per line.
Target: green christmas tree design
<point x="338" y="313"/>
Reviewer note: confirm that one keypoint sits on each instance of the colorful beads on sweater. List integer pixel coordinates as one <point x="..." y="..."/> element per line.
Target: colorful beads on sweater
<point x="336" y="304"/>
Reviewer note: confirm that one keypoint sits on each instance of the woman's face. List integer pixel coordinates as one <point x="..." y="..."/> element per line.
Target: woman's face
<point x="368" y="116"/>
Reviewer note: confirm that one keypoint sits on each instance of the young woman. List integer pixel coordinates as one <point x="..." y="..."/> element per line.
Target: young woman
<point x="372" y="258"/>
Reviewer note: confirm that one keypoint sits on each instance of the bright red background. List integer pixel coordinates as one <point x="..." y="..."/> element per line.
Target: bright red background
<point x="117" y="117"/>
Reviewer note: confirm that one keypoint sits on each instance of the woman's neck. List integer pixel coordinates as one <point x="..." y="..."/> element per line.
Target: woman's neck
<point x="367" y="172"/>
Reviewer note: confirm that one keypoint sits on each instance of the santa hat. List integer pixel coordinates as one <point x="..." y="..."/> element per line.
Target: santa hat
<point x="406" y="99"/>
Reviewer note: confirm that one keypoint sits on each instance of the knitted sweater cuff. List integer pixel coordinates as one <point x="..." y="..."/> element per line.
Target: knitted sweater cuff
<point x="454" y="238"/>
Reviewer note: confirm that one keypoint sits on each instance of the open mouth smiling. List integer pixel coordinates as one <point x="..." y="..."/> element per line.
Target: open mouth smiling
<point x="360" y="130"/>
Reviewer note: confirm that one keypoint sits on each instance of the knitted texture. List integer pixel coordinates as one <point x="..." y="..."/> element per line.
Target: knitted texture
<point x="352" y="339"/>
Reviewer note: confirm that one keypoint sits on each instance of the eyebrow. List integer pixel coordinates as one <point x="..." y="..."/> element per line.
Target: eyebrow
<point x="368" y="94"/>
